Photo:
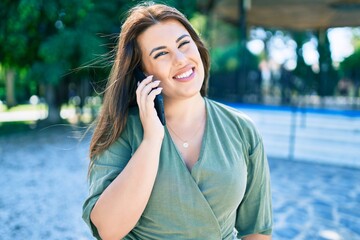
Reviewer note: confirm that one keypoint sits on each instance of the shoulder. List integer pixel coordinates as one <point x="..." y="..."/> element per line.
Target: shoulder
<point x="228" y="110"/>
<point x="125" y="144"/>
<point x="132" y="133"/>
<point x="234" y="120"/>
<point x="230" y="114"/>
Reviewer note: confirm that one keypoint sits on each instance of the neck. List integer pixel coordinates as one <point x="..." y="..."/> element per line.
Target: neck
<point x="185" y="110"/>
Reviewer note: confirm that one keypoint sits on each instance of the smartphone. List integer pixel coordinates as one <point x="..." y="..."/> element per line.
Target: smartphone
<point x="159" y="100"/>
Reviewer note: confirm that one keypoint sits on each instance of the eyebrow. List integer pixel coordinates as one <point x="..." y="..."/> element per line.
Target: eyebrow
<point x="162" y="47"/>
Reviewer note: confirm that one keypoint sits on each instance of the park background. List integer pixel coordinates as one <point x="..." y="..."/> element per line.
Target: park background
<point x="300" y="84"/>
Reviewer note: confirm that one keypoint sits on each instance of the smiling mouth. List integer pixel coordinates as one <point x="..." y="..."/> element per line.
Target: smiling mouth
<point x="185" y="74"/>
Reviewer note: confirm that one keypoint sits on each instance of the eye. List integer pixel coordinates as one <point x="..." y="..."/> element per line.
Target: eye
<point x="184" y="43"/>
<point x="159" y="54"/>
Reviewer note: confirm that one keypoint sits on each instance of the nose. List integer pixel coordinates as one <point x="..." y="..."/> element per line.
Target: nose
<point x="179" y="58"/>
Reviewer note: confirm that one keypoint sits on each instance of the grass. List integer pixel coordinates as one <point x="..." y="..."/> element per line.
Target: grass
<point x="7" y="128"/>
<point x="3" y="107"/>
<point x="23" y="108"/>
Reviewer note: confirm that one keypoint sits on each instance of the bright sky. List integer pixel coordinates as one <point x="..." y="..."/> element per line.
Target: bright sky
<point x="282" y="48"/>
<point x="340" y="43"/>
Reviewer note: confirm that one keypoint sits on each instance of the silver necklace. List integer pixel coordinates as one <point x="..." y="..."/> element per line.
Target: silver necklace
<point x="185" y="143"/>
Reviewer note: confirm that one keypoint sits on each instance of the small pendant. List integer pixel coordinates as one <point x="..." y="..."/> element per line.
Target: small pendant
<point x="185" y="145"/>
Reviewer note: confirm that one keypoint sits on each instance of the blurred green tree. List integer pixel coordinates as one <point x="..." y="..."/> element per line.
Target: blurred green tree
<point x="328" y="76"/>
<point x="303" y="71"/>
<point x="61" y="44"/>
<point x="349" y="70"/>
<point x="228" y="58"/>
<point x="52" y="39"/>
<point x="18" y="41"/>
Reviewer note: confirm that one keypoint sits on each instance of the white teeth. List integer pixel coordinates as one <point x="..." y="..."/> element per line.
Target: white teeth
<point x="185" y="74"/>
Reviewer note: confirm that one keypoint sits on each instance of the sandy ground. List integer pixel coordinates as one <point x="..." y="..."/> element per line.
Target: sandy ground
<point x="43" y="182"/>
<point x="43" y="186"/>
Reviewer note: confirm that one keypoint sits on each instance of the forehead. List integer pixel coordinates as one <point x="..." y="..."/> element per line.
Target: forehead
<point x="161" y="33"/>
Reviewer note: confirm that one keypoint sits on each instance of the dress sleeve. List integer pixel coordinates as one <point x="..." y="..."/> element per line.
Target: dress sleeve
<point x="106" y="168"/>
<point x="254" y="215"/>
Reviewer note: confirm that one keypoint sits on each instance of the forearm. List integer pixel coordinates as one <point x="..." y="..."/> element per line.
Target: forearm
<point x="123" y="201"/>
<point x="257" y="237"/>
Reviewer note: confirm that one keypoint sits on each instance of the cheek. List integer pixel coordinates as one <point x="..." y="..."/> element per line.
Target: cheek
<point x="201" y="64"/>
<point x="154" y="68"/>
<point x="196" y="54"/>
<point x="162" y="70"/>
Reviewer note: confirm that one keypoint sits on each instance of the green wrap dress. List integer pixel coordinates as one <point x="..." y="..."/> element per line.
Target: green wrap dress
<point x="227" y="190"/>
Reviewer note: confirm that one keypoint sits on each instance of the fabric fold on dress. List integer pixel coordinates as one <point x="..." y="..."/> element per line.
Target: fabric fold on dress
<point x="225" y="190"/>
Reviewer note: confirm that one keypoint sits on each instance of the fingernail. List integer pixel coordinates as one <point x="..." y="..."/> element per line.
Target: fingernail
<point x="138" y="83"/>
<point x="150" y="76"/>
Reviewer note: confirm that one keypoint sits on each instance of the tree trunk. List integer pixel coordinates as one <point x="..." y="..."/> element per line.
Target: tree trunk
<point x="10" y="88"/>
<point x="53" y="104"/>
<point x="243" y="70"/>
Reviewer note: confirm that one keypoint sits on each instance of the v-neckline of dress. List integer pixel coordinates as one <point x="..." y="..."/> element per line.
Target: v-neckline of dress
<point x="203" y="143"/>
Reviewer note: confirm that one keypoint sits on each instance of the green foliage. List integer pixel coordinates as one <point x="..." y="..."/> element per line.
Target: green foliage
<point x="2" y="83"/>
<point x="17" y="28"/>
<point x="54" y="37"/>
<point x="228" y="58"/>
<point x="227" y="54"/>
<point x="350" y="70"/>
<point x="328" y="76"/>
<point x="61" y="41"/>
<point x="324" y="82"/>
<point x="351" y="63"/>
<point x="187" y="7"/>
<point x="356" y="37"/>
<point x="302" y="71"/>
<point x="199" y="22"/>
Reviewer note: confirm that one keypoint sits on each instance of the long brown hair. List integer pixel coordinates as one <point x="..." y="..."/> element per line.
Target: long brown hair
<point x="120" y="90"/>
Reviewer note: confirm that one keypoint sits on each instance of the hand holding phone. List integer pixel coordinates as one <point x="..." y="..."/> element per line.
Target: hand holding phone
<point x="159" y="100"/>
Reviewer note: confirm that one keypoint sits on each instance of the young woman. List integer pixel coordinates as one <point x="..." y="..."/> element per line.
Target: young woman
<point x="203" y="175"/>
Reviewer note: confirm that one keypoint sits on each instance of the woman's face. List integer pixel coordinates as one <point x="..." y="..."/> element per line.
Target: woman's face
<point x="170" y="54"/>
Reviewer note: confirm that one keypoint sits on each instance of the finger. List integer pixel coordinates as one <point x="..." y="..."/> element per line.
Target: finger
<point x="149" y="87"/>
<point x="146" y="90"/>
<point x="150" y="104"/>
<point x="141" y="86"/>
<point x="143" y="83"/>
<point x="154" y="93"/>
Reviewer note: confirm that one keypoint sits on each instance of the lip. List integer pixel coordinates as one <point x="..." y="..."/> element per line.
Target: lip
<point x="184" y="70"/>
